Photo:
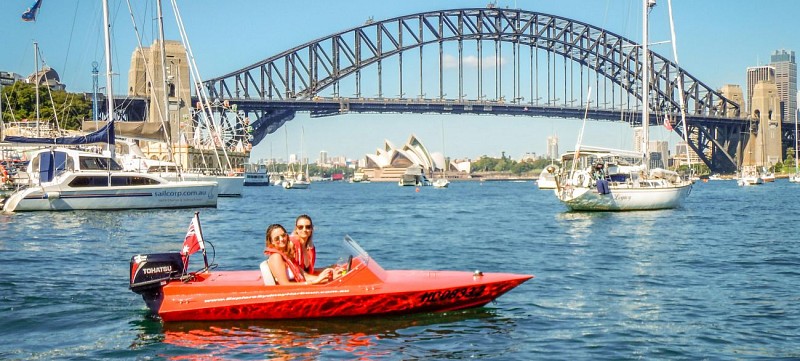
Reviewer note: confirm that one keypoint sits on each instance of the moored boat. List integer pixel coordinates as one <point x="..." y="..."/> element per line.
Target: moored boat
<point x="67" y="179"/>
<point x="256" y="175"/>
<point x="363" y="289"/>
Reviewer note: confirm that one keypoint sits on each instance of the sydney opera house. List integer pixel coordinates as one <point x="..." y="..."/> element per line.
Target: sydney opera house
<point x="390" y="162"/>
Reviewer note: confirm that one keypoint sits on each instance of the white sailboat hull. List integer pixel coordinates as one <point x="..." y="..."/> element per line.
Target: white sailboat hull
<point x="296" y="184"/>
<point x="169" y="195"/>
<point x="228" y="186"/>
<point x="624" y="197"/>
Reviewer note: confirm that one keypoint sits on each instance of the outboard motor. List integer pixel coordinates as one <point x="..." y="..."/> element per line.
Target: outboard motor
<point x="151" y="271"/>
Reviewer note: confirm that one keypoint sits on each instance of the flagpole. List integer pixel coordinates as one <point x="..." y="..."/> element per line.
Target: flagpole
<point x="200" y="232"/>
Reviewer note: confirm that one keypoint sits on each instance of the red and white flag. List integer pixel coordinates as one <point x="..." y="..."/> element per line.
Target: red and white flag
<point x="193" y="241"/>
<point x="667" y="123"/>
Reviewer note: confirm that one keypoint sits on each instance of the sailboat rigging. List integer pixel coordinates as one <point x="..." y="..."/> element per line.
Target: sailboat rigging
<point x="442" y="181"/>
<point x="795" y="178"/>
<point x="301" y="180"/>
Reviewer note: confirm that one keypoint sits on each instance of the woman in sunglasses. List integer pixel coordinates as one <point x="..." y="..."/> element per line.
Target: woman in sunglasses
<point x="302" y="238"/>
<point x="281" y="256"/>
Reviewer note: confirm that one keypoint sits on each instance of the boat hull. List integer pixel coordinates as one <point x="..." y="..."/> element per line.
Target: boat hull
<point x="170" y="195"/>
<point x="624" y="198"/>
<point x="228" y="186"/>
<point x="295" y="184"/>
<point x="237" y="295"/>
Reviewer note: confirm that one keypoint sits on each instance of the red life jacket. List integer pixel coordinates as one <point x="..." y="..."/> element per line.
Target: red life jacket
<point x="290" y="264"/>
<point x="300" y="254"/>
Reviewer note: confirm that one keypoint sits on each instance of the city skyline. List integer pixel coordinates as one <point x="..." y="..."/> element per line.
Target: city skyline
<point x="712" y="45"/>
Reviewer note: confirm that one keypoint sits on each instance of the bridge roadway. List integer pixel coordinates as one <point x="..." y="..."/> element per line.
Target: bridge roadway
<point x="319" y="107"/>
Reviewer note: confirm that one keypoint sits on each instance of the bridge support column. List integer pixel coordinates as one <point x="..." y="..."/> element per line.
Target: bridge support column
<point x="764" y="147"/>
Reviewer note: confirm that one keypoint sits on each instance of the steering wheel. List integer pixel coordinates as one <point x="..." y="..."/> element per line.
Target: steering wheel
<point x="349" y="263"/>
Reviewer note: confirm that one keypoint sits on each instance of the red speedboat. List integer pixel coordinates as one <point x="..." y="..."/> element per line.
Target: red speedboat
<point x="365" y="289"/>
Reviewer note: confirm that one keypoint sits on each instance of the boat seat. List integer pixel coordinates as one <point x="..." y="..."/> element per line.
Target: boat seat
<point x="266" y="274"/>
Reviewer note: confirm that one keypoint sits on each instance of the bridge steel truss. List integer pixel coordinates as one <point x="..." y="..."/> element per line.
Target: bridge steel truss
<point x="310" y="77"/>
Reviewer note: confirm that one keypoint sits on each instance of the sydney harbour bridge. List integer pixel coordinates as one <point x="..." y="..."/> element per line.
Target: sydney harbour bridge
<point x="486" y="61"/>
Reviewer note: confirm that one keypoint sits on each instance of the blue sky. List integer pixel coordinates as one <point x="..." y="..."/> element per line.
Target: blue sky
<point x="717" y="40"/>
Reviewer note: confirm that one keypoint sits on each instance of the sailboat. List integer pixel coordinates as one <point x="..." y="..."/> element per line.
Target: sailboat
<point x="64" y="179"/>
<point x="795" y="178"/>
<point x="300" y="180"/>
<point x="601" y="179"/>
<point x="442" y="181"/>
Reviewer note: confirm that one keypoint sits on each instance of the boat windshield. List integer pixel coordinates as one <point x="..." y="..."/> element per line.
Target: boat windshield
<point x="98" y="163"/>
<point x="354" y="251"/>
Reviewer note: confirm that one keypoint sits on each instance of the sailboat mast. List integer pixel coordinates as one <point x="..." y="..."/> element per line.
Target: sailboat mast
<point x="109" y="83"/>
<point x="796" y="154"/>
<point x="680" y="83"/>
<point x="168" y="128"/>
<point x="36" y="85"/>
<point x="646" y="5"/>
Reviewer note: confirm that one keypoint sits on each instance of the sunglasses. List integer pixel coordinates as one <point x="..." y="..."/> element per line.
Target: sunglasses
<point x="305" y="226"/>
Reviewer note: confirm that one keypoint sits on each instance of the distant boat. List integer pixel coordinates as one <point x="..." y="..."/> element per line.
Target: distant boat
<point x="749" y="176"/>
<point x="359" y="177"/>
<point x="413" y="177"/>
<point x="256" y="175"/>
<point x="67" y="179"/>
<point x="547" y="178"/>
<point x="301" y="180"/>
<point x="441" y="183"/>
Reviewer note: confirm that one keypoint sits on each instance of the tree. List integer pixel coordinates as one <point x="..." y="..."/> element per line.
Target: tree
<point x="19" y="104"/>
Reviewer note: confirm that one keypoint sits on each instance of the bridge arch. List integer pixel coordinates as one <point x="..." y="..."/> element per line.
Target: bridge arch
<point x="315" y="70"/>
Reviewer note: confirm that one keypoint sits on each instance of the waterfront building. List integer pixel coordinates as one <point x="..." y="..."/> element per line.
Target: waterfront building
<point x="8" y="78"/>
<point x="756" y="74"/>
<point x="638" y="139"/>
<point x="390" y="162"/>
<point x="679" y="158"/>
<point x="47" y="76"/>
<point x="323" y="157"/>
<point x="786" y="80"/>
<point x="552" y="147"/>
<point x="733" y="92"/>
<point x="659" y="153"/>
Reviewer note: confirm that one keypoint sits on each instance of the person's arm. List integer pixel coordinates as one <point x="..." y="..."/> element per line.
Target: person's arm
<point x="278" y="268"/>
<point x="322" y="277"/>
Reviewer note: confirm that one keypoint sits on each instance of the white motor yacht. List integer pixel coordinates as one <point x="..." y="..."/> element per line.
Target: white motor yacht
<point x="66" y="179"/>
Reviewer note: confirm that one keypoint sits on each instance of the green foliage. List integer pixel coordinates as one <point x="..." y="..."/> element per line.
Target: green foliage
<point x="19" y="103"/>
<point x="696" y="169"/>
<point x="505" y="164"/>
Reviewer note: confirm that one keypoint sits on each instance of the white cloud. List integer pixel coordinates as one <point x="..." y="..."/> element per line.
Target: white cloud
<point x="471" y="61"/>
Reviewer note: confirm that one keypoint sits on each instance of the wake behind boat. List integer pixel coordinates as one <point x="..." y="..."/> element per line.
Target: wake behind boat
<point x="364" y="289"/>
<point x="66" y="179"/>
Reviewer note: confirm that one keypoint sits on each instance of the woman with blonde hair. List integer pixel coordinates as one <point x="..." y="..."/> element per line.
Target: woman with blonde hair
<point x="281" y="260"/>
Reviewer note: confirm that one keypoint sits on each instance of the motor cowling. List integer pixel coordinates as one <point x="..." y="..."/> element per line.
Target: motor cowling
<point x="149" y="271"/>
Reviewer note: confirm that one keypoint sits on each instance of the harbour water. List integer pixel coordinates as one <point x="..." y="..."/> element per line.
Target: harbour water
<point x="716" y="279"/>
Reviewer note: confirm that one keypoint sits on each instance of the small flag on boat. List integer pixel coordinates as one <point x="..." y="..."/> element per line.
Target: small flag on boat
<point x="30" y="14"/>
<point x="193" y="241"/>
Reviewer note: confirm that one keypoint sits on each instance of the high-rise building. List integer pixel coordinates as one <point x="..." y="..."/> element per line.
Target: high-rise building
<point x="786" y="80"/>
<point x="660" y="148"/>
<point x="638" y="139"/>
<point x="754" y="75"/>
<point x="323" y="157"/>
<point x="552" y="147"/>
